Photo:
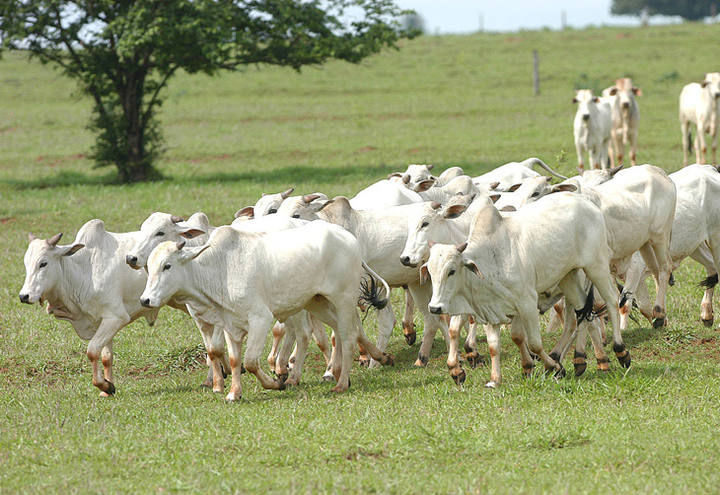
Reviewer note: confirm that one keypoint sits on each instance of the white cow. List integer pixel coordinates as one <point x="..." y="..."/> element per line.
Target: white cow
<point x="508" y="265"/>
<point x="504" y="176"/>
<point x="88" y="284"/>
<point x="384" y="194"/>
<point x="267" y="204"/>
<point x="700" y="105"/>
<point x="625" y="117"/>
<point x="592" y="128"/>
<point x="242" y="281"/>
<point x="695" y="234"/>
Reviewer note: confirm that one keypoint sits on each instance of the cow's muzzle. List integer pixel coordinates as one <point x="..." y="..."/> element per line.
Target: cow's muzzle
<point x="436" y="310"/>
<point x="132" y="261"/>
<point x="145" y="302"/>
<point x="25" y="298"/>
<point x="405" y="260"/>
<point x="586" y="117"/>
<point x="626" y="104"/>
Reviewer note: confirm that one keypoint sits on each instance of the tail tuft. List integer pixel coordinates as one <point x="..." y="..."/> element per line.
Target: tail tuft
<point x="709" y="282"/>
<point x="370" y="294"/>
<point x="586" y="312"/>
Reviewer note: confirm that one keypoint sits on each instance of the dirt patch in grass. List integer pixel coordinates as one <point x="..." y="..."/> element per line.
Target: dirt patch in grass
<point x="358" y="454"/>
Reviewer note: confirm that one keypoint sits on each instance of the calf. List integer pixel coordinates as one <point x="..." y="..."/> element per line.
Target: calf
<point x="625" y="117"/>
<point x="88" y="284"/>
<point x="242" y="281"/>
<point x="700" y="105"/>
<point x="592" y="128"/>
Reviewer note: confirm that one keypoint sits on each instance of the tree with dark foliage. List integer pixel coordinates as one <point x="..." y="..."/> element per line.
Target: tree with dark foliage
<point x="692" y="10"/>
<point x="124" y="52"/>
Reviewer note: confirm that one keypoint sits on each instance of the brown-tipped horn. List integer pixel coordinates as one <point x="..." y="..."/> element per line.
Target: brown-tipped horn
<point x="493" y="185"/>
<point x="309" y="198"/>
<point x="435" y="205"/>
<point x="31" y="237"/>
<point x="406" y="178"/>
<point x="287" y="193"/>
<point x="180" y="245"/>
<point x="248" y="211"/>
<point x="430" y="167"/>
<point x="176" y="219"/>
<point x="461" y="247"/>
<point x="55" y="239"/>
<point x="615" y="170"/>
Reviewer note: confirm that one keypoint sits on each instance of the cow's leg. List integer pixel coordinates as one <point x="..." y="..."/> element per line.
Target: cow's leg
<point x="408" y="322"/>
<point x="578" y="149"/>
<point x="597" y="339"/>
<point x="703" y="256"/>
<point x="684" y="128"/>
<point x="234" y="340"/>
<point x="422" y="294"/>
<point x="471" y="352"/>
<point x="657" y="258"/>
<point x="348" y="333"/>
<point x="258" y="326"/>
<point x="286" y="349"/>
<point x="633" y="144"/>
<point x="302" y="326"/>
<point x="702" y="144"/>
<point x="386" y="323"/>
<point x="492" y="332"/>
<point x="600" y="276"/>
<point x="377" y="354"/>
<point x="456" y="371"/>
<point x="556" y="316"/>
<point x="103" y="337"/>
<point x="714" y="133"/>
<point x="320" y="337"/>
<point x="531" y="321"/>
<point x="107" y="361"/>
<point x="519" y="337"/>
<point x="330" y="375"/>
<point x="216" y="352"/>
<point x="278" y="332"/>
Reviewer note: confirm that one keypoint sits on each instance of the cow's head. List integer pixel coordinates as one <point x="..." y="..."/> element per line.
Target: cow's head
<point x="534" y="188"/>
<point x="585" y="101"/>
<point x="712" y="83"/>
<point x="166" y="273"/>
<point x="303" y="207"/>
<point x="418" y="178"/>
<point x="596" y="177"/>
<point x="269" y="203"/>
<point x="625" y="92"/>
<point x="43" y="270"/>
<point x="448" y="268"/>
<point x="160" y="227"/>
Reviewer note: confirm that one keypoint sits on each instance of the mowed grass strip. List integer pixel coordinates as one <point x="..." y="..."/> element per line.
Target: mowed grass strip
<point x="451" y="100"/>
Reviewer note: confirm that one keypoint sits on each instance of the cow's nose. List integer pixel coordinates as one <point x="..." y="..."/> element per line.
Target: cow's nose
<point x="296" y="215"/>
<point x="626" y="104"/>
<point x="25" y="298"/>
<point x="436" y="310"/>
<point x="145" y="302"/>
<point x="586" y="116"/>
<point x="131" y="260"/>
<point x="405" y="260"/>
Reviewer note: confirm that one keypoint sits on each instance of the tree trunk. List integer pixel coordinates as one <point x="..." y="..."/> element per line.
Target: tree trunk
<point x="137" y="166"/>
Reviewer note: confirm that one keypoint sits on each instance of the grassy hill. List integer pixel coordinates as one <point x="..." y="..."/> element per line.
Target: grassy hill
<point x="451" y="100"/>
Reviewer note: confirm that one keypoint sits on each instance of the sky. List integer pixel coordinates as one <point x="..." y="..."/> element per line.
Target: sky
<point x="464" y="16"/>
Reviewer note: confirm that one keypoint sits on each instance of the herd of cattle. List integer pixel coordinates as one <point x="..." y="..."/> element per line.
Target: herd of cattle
<point x="496" y="249"/>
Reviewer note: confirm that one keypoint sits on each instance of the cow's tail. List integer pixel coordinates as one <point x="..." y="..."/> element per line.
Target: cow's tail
<point x="530" y="162"/>
<point x="586" y="312"/>
<point x="369" y="289"/>
<point x="709" y="282"/>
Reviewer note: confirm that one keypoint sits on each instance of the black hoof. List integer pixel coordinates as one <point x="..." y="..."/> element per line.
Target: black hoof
<point x="557" y="372"/>
<point x="389" y="361"/>
<point x="468" y="348"/>
<point x="282" y="378"/>
<point x="474" y="359"/>
<point x="625" y="360"/>
<point x="659" y="322"/>
<point x="421" y="361"/>
<point x="458" y="376"/>
<point x="580" y="368"/>
<point x="527" y="369"/>
<point x="554" y="356"/>
<point x="364" y="362"/>
<point x="708" y="323"/>
<point x="242" y="369"/>
<point x="410" y="338"/>
<point x="110" y="388"/>
<point x="534" y="357"/>
<point x="281" y="385"/>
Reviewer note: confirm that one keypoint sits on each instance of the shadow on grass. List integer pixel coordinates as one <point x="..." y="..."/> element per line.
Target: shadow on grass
<point x="283" y="176"/>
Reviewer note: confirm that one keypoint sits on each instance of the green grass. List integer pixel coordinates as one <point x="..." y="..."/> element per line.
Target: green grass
<point x="452" y="100"/>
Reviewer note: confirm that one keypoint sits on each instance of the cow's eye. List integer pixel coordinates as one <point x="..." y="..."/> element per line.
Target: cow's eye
<point x="272" y="210"/>
<point x="451" y="272"/>
<point x="167" y="266"/>
<point x="296" y="215"/>
<point x="160" y="233"/>
<point x="424" y="224"/>
<point x="535" y="194"/>
<point x="43" y="264"/>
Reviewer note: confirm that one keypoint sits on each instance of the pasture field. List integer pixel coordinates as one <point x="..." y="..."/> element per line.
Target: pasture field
<point x="451" y="100"/>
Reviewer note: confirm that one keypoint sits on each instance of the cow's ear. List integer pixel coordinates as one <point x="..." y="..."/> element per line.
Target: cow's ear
<point x="494" y="197"/>
<point x="563" y="188"/>
<point x="493" y="185"/>
<point x="596" y="99"/>
<point x="470" y="265"/>
<point x="613" y="91"/>
<point x="424" y="185"/>
<point x="514" y="187"/>
<point x="31" y="237"/>
<point x="192" y="232"/>
<point x="430" y="167"/>
<point x="248" y="211"/>
<point x="454" y="211"/>
<point x="424" y="274"/>
<point x="190" y="253"/>
<point x="574" y="100"/>
<point x="637" y="91"/>
<point x="508" y="208"/>
<point x="70" y="250"/>
<point x="406" y="178"/>
<point x="394" y="174"/>
<point x="704" y="84"/>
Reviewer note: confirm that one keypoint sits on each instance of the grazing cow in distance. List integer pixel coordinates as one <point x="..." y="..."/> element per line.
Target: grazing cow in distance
<point x="700" y="105"/>
<point x="88" y="284"/>
<point x="592" y="128"/>
<point x="625" y="117"/>
<point x="242" y="281"/>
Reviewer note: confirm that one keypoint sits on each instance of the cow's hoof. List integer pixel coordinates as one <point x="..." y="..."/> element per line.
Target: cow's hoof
<point x="242" y="369"/>
<point x="104" y="394"/>
<point x="580" y="368"/>
<point x="282" y="378"/>
<point x="474" y="359"/>
<point x="659" y="322"/>
<point x="625" y="360"/>
<point x="280" y="385"/>
<point x="491" y="384"/>
<point x="708" y="323"/>
<point x="364" y="362"/>
<point x="338" y="389"/>
<point x="207" y="384"/>
<point x="458" y="374"/>
<point x="389" y="361"/>
<point x="328" y="377"/>
<point x="534" y="357"/>
<point x="421" y="361"/>
<point x="232" y="397"/>
<point x="110" y="389"/>
<point x="410" y="338"/>
<point x="560" y="372"/>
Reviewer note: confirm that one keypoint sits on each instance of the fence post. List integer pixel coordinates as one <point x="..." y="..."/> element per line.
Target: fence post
<point x="536" y="73"/>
